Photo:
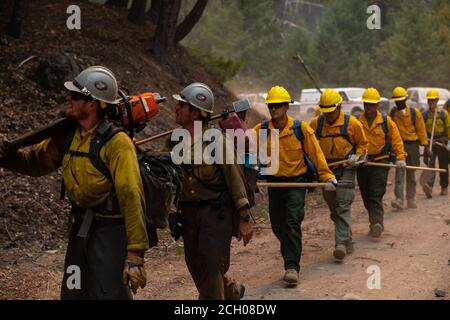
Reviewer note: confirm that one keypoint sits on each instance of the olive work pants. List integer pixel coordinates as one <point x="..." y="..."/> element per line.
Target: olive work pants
<point x="93" y="267"/>
<point x="340" y="204"/>
<point x="413" y="159"/>
<point x="207" y="232"/>
<point x="286" y="211"/>
<point x="372" y="183"/>
<point x="442" y="155"/>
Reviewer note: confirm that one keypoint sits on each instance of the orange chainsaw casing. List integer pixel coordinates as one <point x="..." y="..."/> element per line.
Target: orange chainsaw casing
<point x="143" y="107"/>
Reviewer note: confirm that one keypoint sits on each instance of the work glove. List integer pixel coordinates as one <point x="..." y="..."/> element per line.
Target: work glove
<point x="331" y="185"/>
<point x="427" y="155"/>
<point x="245" y="228"/>
<point x="448" y="146"/>
<point x="134" y="275"/>
<point x="363" y="159"/>
<point x="401" y="164"/>
<point x="352" y="160"/>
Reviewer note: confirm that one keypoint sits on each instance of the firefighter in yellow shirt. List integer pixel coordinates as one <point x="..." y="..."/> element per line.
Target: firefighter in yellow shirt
<point x="298" y="146"/>
<point x="411" y="126"/>
<point x="384" y="143"/>
<point x="108" y="233"/>
<point x="341" y="137"/>
<point x="441" y="142"/>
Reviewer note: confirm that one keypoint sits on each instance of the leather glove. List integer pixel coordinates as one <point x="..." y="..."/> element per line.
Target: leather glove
<point x="134" y="274"/>
<point x="427" y="155"/>
<point x="352" y="159"/>
<point x="401" y="164"/>
<point x="448" y="146"/>
<point x="331" y="185"/>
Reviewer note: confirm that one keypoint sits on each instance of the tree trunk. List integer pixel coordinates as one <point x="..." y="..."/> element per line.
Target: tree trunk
<point x="279" y="8"/>
<point x="155" y="10"/>
<point x="137" y="12"/>
<point x="164" y="38"/>
<point x="14" y="27"/>
<point x="191" y="20"/>
<point x="117" y="3"/>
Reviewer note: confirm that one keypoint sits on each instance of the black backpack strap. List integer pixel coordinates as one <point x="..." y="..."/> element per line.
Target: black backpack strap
<point x="320" y="122"/>
<point x="104" y="132"/>
<point x="65" y="149"/>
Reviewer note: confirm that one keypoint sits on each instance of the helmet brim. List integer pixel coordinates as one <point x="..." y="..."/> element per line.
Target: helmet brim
<point x="269" y="101"/>
<point x="372" y="101"/>
<point x="179" y="98"/>
<point x="71" y="87"/>
<point x="327" y="110"/>
<point x="399" y="98"/>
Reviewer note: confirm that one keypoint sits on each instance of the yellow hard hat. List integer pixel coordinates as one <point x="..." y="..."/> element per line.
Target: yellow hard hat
<point x="433" y="94"/>
<point x="371" y="95"/>
<point x="330" y="99"/>
<point x="399" y="94"/>
<point x="278" y="94"/>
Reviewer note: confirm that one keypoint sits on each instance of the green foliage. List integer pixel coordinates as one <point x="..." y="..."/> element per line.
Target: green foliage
<point x="412" y="48"/>
<point x="222" y="68"/>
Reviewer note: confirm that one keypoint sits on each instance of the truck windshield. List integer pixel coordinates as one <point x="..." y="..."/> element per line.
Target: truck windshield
<point x="355" y="94"/>
<point x="310" y="97"/>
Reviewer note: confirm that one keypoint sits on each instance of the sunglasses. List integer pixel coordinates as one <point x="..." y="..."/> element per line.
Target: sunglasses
<point x="76" y="96"/>
<point x="275" y="105"/>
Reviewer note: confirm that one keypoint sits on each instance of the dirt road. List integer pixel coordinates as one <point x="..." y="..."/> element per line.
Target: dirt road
<point x="412" y="255"/>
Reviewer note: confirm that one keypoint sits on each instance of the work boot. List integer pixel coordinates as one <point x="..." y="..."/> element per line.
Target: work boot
<point x="412" y="204"/>
<point x="397" y="204"/>
<point x="427" y="190"/>
<point x="376" y="230"/>
<point x="291" y="276"/>
<point x="349" y="247"/>
<point x="444" y="192"/>
<point x="233" y="290"/>
<point x="339" y="252"/>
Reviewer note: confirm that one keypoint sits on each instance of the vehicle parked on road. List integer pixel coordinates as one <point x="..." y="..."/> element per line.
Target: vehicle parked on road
<point x="352" y="104"/>
<point x="417" y="97"/>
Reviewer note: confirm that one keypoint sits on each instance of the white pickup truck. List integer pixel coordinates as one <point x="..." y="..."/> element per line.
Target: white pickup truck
<point x="309" y="100"/>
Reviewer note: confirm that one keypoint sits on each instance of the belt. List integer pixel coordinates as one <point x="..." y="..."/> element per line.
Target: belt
<point x="411" y="142"/>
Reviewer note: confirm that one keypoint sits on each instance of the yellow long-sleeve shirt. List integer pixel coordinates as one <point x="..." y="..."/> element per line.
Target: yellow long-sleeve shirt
<point x="291" y="151"/>
<point x="85" y="185"/>
<point x="377" y="138"/>
<point x="334" y="145"/>
<point x="442" y="128"/>
<point x="410" y="130"/>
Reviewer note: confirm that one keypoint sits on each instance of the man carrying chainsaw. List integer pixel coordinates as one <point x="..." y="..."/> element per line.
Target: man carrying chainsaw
<point x="300" y="158"/>
<point x="385" y="145"/>
<point x="412" y="130"/>
<point x="437" y="122"/>
<point x="214" y="204"/>
<point x="101" y="178"/>
<point x="341" y="137"/>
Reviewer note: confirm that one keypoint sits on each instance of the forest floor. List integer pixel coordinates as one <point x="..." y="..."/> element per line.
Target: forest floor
<point x="412" y="256"/>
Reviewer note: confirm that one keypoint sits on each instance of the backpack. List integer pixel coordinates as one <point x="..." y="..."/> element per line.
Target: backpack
<point x="412" y="114"/>
<point x="342" y="131"/>
<point x="162" y="180"/>
<point x="311" y="171"/>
